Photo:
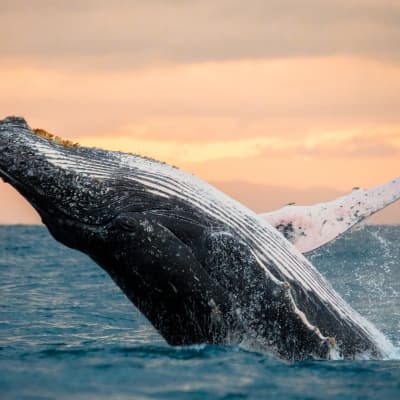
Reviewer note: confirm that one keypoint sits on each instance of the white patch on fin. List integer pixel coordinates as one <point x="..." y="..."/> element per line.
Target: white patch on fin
<point x="310" y="227"/>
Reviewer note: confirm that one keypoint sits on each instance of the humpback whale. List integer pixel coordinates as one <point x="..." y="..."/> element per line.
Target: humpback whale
<point x="199" y="265"/>
<point x="310" y="227"/>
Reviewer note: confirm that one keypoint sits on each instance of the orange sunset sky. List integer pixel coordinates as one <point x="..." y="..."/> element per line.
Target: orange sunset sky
<point x="271" y="101"/>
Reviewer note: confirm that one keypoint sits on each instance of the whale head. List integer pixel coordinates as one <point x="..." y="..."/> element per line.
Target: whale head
<point x="74" y="189"/>
<point x="47" y="172"/>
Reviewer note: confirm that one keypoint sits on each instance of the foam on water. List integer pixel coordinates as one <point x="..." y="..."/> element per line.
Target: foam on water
<point x="66" y="331"/>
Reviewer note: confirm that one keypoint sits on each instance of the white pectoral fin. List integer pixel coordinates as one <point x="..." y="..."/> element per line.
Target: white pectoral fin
<point x="310" y="227"/>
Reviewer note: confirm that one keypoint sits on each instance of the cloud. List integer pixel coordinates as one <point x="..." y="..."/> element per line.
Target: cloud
<point x="218" y="101"/>
<point x="338" y="145"/>
<point x="359" y="144"/>
<point x="126" y="34"/>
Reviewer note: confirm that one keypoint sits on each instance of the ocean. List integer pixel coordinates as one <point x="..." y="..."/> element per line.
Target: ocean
<point x="68" y="332"/>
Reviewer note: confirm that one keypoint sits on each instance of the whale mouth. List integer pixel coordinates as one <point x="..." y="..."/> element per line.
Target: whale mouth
<point x="12" y="180"/>
<point x="7" y="178"/>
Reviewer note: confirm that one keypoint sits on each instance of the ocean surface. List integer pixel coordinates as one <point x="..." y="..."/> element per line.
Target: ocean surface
<point x="67" y="332"/>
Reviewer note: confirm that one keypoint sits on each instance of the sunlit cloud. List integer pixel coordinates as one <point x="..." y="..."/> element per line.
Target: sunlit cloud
<point x="336" y="144"/>
<point x="206" y="101"/>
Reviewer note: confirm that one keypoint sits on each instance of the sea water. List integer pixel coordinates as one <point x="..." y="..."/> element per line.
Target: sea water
<point x="68" y="332"/>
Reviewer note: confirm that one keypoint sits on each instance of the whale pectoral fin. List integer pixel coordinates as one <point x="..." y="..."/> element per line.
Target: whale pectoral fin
<point x="180" y="298"/>
<point x="310" y="227"/>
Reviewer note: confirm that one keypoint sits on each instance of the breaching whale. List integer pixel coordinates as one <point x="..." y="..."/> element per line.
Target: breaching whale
<point x="310" y="227"/>
<point x="199" y="265"/>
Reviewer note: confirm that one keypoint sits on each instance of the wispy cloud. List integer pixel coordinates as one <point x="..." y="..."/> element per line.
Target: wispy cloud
<point x="335" y="144"/>
<point x="359" y="143"/>
<point x="129" y="34"/>
<point x="207" y="101"/>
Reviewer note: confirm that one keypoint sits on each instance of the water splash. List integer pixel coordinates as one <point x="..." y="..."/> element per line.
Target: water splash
<point x="364" y="266"/>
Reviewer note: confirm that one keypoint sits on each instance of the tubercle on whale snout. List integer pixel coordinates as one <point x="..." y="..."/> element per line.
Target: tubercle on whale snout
<point x="57" y="139"/>
<point x="19" y="122"/>
<point x="70" y="144"/>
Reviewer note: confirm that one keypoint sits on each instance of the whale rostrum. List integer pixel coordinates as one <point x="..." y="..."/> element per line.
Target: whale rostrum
<point x="200" y="266"/>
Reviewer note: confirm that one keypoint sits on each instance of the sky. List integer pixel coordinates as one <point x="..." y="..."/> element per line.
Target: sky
<point x="271" y="101"/>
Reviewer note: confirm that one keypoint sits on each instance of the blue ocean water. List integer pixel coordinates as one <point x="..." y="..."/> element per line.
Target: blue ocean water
<point x="67" y="332"/>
